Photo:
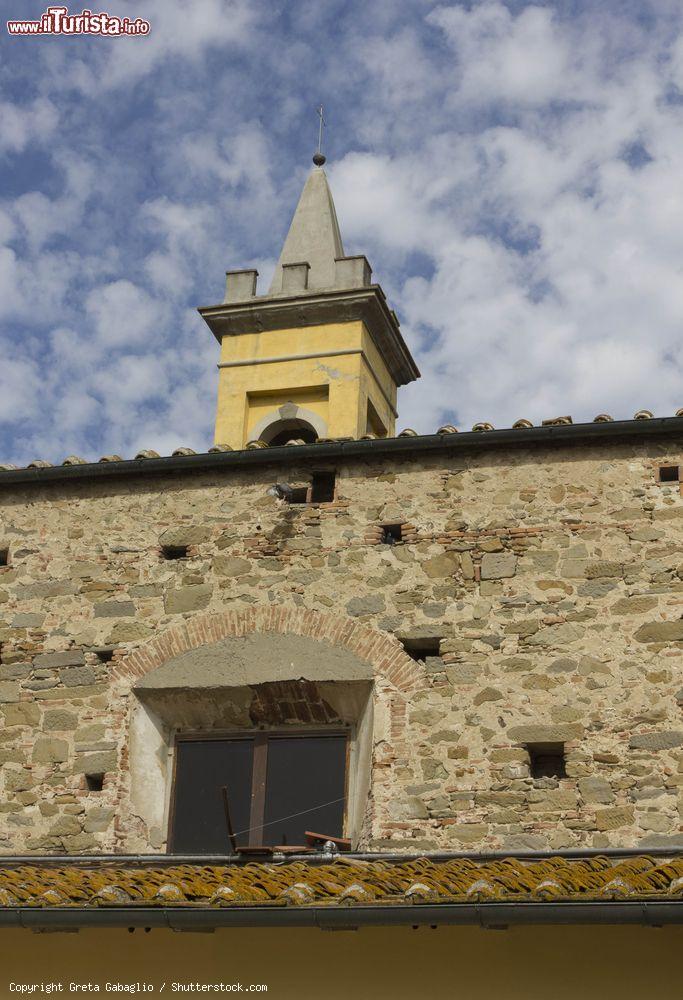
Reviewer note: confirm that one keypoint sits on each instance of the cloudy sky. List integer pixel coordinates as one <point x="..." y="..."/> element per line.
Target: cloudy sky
<point x="512" y="171"/>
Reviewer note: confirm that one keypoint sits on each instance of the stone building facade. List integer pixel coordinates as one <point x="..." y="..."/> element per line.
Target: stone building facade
<point x="493" y="619"/>
<point x="534" y="598"/>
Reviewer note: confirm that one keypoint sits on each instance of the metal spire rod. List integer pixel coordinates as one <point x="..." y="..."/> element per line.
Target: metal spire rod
<point x="319" y="157"/>
<point x="320" y="128"/>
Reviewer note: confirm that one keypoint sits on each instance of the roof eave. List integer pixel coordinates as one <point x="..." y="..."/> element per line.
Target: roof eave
<point x="334" y="451"/>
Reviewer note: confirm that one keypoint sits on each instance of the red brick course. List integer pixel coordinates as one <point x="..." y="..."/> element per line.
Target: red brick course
<point x="383" y="652"/>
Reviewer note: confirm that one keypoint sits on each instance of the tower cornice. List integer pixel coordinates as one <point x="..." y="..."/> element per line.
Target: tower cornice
<point x="282" y="312"/>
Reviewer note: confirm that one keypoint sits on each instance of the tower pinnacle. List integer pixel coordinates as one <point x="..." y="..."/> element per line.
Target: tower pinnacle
<point x="318" y="157"/>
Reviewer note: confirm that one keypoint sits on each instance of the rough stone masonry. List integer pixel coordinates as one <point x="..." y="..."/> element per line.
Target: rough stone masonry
<point x="551" y="575"/>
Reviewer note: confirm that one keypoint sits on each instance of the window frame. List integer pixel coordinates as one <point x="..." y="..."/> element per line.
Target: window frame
<point x="260" y="739"/>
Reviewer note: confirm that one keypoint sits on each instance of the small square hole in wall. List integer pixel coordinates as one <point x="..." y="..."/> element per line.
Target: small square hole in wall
<point x="105" y="655"/>
<point x="391" y="533"/>
<point x="322" y="487"/>
<point x="420" y="649"/>
<point x="547" y="760"/>
<point x="299" y="494"/>
<point x="4" y="557"/>
<point x="94" y="782"/>
<point x="669" y="473"/>
<point x="174" y="551"/>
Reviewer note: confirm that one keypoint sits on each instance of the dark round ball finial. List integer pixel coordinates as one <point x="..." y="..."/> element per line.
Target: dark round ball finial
<point x="319" y="159"/>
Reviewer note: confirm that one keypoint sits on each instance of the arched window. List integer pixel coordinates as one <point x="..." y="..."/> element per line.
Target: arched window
<point x="282" y="431"/>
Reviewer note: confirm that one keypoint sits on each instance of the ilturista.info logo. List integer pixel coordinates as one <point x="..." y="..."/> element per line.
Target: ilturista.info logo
<point x="58" y="21"/>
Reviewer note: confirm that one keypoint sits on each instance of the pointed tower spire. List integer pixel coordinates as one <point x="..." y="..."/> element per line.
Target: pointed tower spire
<point x="321" y="354"/>
<point x="313" y="236"/>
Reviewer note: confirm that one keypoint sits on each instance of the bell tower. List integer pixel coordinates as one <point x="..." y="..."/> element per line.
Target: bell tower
<point x="320" y="355"/>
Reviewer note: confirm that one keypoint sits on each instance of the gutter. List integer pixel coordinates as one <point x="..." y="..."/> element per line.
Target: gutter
<point x="487" y="915"/>
<point x="335" y="451"/>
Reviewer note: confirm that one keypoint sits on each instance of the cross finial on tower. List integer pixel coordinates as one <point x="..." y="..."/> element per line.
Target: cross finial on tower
<point x="318" y="158"/>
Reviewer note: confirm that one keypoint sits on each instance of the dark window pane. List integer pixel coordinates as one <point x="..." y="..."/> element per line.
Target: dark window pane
<point x="203" y="767"/>
<point x="305" y="775"/>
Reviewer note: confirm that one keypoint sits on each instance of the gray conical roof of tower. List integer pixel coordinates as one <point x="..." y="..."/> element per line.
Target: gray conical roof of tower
<point x="313" y="235"/>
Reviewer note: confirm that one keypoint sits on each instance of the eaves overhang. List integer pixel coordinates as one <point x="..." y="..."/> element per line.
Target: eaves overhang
<point x="343" y="891"/>
<point x="281" y="312"/>
<point x="669" y="429"/>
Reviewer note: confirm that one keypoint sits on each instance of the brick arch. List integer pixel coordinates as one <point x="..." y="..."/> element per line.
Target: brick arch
<point x="382" y="651"/>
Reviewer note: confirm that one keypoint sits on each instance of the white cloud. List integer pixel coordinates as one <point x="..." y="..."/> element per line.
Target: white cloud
<point x="512" y="172"/>
<point x="124" y="314"/>
<point x="24" y="124"/>
<point x="553" y="282"/>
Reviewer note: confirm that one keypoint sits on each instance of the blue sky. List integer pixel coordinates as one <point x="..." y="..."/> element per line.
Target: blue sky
<point x="512" y="171"/>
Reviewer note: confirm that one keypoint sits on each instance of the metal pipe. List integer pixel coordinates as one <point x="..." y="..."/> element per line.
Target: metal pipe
<point x="170" y="860"/>
<point x="493" y="915"/>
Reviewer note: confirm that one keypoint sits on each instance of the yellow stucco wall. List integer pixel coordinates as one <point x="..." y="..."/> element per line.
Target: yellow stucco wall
<point x="531" y="963"/>
<point x="336" y="386"/>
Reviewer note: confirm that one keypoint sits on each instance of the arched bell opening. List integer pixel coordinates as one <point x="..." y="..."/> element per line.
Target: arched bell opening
<point x="282" y="431"/>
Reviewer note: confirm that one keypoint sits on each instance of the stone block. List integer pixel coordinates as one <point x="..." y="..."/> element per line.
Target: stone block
<point x="185" y="534"/>
<point x="9" y="691"/>
<point x="28" y="619"/>
<point x="542" y="733"/>
<point x="444" y="565"/>
<point x="595" y="789"/>
<point x="192" y="598"/>
<point x="498" y="565"/>
<point x="613" y="819"/>
<point x="372" y="604"/>
<point x="68" y="658"/>
<point x="114" y="609"/>
<point x="661" y="632"/>
<point x="468" y="833"/>
<point x="523" y="628"/>
<point x="77" y="676"/>
<point x="596" y="588"/>
<point x="633" y="605"/>
<point x="647" y="534"/>
<point x="45" y="589"/>
<point x="17" y="781"/>
<point x="95" y="763"/>
<point x="656" y="741"/>
<point x="557" y="635"/>
<point x="231" y="566"/>
<point x="98" y="820"/>
<point x="604" y="568"/>
<point x="50" y="751"/>
<point x="412" y="808"/>
<point x="60" y="719"/>
<point x="129" y="632"/>
<point x="65" y="826"/>
<point x="513" y="755"/>
<point x="553" y="800"/>
<point x="487" y="694"/>
<point x="23" y="713"/>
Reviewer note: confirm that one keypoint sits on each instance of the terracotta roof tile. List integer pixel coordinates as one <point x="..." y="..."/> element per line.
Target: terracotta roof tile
<point x="343" y="881"/>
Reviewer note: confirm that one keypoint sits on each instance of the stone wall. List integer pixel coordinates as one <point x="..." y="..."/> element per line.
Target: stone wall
<point x="553" y="577"/>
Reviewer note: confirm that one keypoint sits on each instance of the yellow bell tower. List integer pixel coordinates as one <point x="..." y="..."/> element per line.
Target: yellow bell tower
<point x="320" y="355"/>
